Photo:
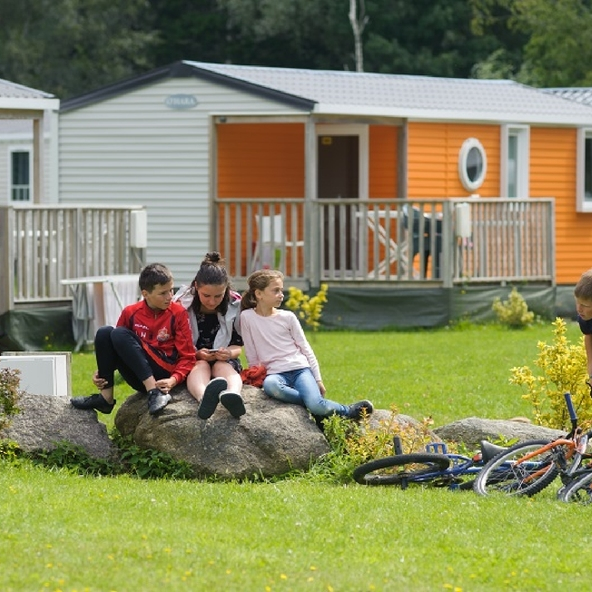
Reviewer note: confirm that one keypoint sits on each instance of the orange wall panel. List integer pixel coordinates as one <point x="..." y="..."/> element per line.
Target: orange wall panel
<point x="553" y="174"/>
<point x="260" y="160"/>
<point x="383" y="161"/>
<point x="432" y="159"/>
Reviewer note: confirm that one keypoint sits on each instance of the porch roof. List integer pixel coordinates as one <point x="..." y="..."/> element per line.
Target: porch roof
<point x="410" y="97"/>
<point x="15" y="98"/>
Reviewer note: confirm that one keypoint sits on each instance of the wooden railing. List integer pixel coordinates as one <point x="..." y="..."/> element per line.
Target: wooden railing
<point x="448" y="242"/>
<point x="41" y="245"/>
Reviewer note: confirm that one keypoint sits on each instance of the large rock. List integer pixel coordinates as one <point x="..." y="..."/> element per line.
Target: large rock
<point x="473" y="429"/>
<point x="45" y="420"/>
<point x="272" y="438"/>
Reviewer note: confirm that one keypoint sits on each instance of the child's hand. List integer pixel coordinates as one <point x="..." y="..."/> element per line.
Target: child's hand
<point x="223" y="354"/>
<point x="322" y="387"/>
<point x="205" y="354"/>
<point x="99" y="382"/>
<point x="166" y="384"/>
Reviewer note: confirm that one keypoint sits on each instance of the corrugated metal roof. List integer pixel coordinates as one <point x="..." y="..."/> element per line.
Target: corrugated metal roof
<point x="15" y="99"/>
<point x="13" y="90"/>
<point x="421" y="97"/>
<point x="580" y="95"/>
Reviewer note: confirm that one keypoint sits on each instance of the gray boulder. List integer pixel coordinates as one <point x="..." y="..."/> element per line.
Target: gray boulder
<point x="46" y="420"/>
<point x="272" y="438"/>
<point x="473" y="429"/>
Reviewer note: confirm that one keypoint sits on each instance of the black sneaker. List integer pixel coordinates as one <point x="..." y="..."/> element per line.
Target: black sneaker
<point x="356" y="410"/>
<point x="157" y="400"/>
<point x="211" y="397"/>
<point x="233" y="402"/>
<point x="93" y="402"/>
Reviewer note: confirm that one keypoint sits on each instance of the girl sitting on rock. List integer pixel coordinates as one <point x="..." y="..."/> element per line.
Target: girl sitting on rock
<point x="213" y="309"/>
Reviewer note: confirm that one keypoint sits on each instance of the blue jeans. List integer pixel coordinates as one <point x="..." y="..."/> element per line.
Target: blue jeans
<point x="299" y="387"/>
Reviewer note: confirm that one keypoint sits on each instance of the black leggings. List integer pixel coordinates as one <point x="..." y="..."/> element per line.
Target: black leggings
<point x="120" y="349"/>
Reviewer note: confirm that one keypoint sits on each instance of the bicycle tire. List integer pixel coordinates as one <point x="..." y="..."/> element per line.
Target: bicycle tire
<point x="416" y="467"/>
<point x="578" y="491"/>
<point x="502" y="475"/>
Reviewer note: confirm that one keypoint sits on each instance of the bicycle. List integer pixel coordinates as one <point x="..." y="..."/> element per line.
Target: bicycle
<point x="436" y="466"/>
<point x="527" y="468"/>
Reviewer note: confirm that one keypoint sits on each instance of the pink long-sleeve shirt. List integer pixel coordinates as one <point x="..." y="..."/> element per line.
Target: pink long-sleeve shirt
<point x="278" y="342"/>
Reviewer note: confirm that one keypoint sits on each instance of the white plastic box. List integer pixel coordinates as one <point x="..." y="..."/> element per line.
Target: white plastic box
<point x="41" y="373"/>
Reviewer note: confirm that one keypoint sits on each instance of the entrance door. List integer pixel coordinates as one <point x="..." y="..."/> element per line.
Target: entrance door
<point x="338" y="178"/>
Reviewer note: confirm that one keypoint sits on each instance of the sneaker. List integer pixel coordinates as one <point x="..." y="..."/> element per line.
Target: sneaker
<point x="93" y="402"/>
<point x="211" y="397"/>
<point x="233" y="402"/>
<point x="356" y="410"/>
<point x="157" y="400"/>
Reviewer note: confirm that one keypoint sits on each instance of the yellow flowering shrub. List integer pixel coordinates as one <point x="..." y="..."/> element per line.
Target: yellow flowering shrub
<point x="306" y="308"/>
<point x="513" y="311"/>
<point x="562" y="369"/>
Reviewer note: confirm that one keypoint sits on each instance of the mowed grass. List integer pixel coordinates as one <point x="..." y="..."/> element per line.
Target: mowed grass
<point x="65" y="532"/>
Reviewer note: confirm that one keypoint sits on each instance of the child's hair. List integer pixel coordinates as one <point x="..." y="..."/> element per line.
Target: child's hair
<point x="153" y="275"/>
<point x="583" y="289"/>
<point x="258" y="280"/>
<point x="212" y="272"/>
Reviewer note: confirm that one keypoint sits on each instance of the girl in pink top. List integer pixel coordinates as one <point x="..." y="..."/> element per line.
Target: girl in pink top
<point x="274" y="338"/>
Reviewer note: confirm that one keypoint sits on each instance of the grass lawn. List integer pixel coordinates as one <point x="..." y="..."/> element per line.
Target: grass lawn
<point x="70" y="533"/>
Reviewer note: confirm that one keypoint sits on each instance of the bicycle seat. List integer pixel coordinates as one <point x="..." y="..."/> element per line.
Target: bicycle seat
<point x="489" y="450"/>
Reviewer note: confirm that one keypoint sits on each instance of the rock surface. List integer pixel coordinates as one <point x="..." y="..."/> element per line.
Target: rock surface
<point x="473" y="429"/>
<point x="272" y="438"/>
<point x="45" y="420"/>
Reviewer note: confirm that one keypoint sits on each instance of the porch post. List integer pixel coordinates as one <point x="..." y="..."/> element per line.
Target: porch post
<point x="38" y="188"/>
<point x="312" y="239"/>
<point x="6" y="260"/>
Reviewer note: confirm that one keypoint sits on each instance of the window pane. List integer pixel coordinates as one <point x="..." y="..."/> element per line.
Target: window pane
<point x="20" y="176"/>
<point x="512" y="166"/>
<point x="474" y="164"/>
<point x="588" y="170"/>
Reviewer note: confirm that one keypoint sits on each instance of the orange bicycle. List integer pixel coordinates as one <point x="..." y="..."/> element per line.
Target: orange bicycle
<point x="527" y="468"/>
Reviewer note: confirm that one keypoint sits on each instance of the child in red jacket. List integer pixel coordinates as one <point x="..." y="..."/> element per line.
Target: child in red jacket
<point x="151" y="346"/>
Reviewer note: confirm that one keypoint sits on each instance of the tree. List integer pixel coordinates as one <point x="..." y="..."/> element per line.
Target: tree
<point x="68" y="47"/>
<point x="358" y="24"/>
<point x="559" y="49"/>
<point x="553" y="36"/>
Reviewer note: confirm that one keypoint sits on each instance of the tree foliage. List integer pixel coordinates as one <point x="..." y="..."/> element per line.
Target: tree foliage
<point x="69" y="47"/>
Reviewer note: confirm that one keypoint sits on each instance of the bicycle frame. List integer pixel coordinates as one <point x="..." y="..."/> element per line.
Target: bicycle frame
<point x="575" y="444"/>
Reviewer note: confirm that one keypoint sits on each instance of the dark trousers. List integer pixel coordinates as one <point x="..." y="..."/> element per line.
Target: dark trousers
<point x="118" y="348"/>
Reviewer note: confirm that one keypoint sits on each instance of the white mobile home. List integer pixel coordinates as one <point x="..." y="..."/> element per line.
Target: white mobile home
<point x="28" y="145"/>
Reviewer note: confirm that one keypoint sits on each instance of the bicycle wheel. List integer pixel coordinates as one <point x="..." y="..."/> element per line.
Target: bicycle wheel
<point x="509" y="473"/>
<point x="402" y="469"/>
<point x="578" y="491"/>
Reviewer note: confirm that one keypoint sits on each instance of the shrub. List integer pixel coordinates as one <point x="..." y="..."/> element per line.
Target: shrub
<point x="306" y="308"/>
<point x="564" y="369"/>
<point x="513" y="312"/>
<point x="9" y="394"/>
<point x="354" y="443"/>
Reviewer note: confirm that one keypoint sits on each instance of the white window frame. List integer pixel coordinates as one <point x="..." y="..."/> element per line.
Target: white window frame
<point x="11" y="184"/>
<point x="522" y="135"/>
<point x="468" y="145"/>
<point x="583" y="202"/>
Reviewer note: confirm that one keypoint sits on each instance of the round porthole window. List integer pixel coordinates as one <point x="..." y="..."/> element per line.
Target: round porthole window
<point x="472" y="164"/>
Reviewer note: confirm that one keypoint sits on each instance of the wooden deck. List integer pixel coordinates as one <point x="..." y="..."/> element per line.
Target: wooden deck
<point x="436" y="242"/>
<point x="41" y="245"/>
<point x="341" y="241"/>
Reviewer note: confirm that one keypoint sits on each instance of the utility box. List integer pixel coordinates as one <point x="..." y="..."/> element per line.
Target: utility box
<point x="41" y="373"/>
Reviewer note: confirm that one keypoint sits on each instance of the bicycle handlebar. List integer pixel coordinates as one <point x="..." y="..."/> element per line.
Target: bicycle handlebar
<point x="570" y="408"/>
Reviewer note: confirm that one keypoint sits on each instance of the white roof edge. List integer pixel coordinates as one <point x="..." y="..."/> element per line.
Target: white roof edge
<point x="447" y="115"/>
<point x="24" y="103"/>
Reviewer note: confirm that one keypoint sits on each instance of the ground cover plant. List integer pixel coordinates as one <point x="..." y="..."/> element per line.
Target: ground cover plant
<point x="61" y="531"/>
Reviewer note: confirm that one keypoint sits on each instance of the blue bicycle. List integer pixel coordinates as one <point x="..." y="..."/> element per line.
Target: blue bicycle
<point x="436" y="467"/>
